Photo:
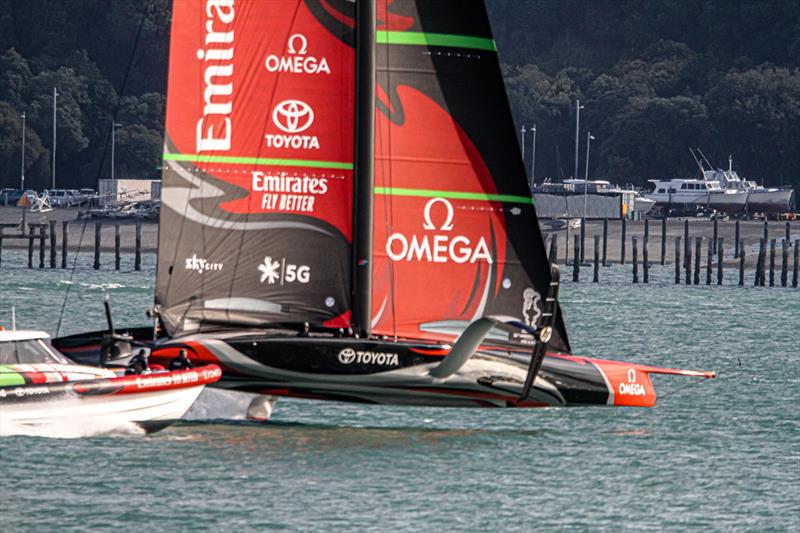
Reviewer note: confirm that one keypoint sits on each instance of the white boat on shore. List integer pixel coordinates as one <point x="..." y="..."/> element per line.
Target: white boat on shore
<point x="759" y="199"/>
<point x="697" y="192"/>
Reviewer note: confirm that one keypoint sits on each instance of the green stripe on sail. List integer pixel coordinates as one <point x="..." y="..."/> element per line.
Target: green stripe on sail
<point x="435" y="39"/>
<point x="199" y="158"/>
<point x="458" y="195"/>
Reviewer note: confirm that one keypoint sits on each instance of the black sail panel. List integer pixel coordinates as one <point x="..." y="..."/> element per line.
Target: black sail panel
<point x="257" y="187"/>
<point x="455" y="230"/>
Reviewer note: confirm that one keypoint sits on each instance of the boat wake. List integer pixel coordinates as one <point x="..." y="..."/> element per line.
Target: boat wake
<point x="70" y="428"/>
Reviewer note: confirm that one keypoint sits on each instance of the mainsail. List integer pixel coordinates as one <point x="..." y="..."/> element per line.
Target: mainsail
<point x="258" y="193"/>
<point x="455" y="231"/>
<point x="256" y="218"/>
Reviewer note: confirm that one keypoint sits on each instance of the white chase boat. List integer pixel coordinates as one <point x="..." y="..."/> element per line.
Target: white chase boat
<point x="40" y="389"/>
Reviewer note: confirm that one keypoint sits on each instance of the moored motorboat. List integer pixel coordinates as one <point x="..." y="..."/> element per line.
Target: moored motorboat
<point x="40" y="389"/>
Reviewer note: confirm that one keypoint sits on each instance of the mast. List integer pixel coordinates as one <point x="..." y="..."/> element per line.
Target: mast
<point x="364" y="166"/>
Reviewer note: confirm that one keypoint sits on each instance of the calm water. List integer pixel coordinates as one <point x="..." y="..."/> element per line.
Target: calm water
<point x="721" y="454"/>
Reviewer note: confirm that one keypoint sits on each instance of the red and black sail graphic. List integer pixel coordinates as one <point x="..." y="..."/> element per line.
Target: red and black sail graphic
<point x="256" y="217"/>
<point x="455" y="231"/>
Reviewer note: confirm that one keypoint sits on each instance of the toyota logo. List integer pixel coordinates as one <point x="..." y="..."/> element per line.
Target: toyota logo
<point x="347" y="356"/>
<point x="293" y="116"/>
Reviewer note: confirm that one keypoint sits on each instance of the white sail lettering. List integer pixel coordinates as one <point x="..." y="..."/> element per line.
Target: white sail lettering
<point x="218" y="80"/>
<point x="297" y="62"/>
<point x="437" y="247"/>
<point x="223" y="8"/>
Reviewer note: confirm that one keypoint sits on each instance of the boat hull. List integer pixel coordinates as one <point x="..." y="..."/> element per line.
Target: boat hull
<point x="769" y="201"/>
<point x="400" y="373"/>
<point x="148" y="401"/>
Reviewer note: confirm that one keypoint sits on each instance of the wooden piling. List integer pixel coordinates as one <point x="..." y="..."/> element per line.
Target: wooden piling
<point x="566" y="247"/>
<point x="116" y="246"/>
<point x="785" y="258"/>
<point x="596" y="276"/>
<point x="677" y="260"/>
<point x="30" y="250"/>
<point x="42" y="245"/>
<point x="688" y="262"/>
<point x="622" y="243"/>
<point x="553" y="255"/>
<point x="576" y="256"/>
<point x="646" y="260"/>
<point x="686" y="244"/>
<point x="741" y="264"/>
<point x="583" y="238"/>
<point x="663" y="241"/>
<point x="97" y="229"/>
<point x="766" y="232"/>
<point x="759" y="281"/>
<point x="605" y="240"/>
<point x="716" y="233"/>
<point x="698" y="250"/>
<point x="720" y="252"/>
<point x="795" y="262"/>
<point x="709" y="263"/>
<point x="635" y="259"/>
<point x="772" y="262"/>
<point x="52" y="244"/>
<point x="137" y="264"/>
<point x="2" y="230"/>
<point x="64" y="243"/>
<point x="737" y="248"/>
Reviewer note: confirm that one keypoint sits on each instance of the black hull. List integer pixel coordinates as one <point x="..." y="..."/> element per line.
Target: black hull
<point x="390" y="372"/>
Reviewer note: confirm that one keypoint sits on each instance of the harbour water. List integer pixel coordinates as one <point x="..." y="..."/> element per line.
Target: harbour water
<point x="719" y="454"/>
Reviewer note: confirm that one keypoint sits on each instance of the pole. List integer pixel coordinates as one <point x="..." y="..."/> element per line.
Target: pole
<point x="645" y="257"/>
<point x="741" y="264"/>
<point x="522" y="143"/>
<point x="22" y="167"/>
<point x="596" y="276"/>
<point x="622" y="244"/>
<point x="736" y="237"/>
<point x="576" y="266"/>
<point x="533" y="158"/>
<point x="137" y="261"/>
<point x="113" y="142"/>
<point x="578" y="108"/>
<point x="55" y="117"/>
<point x="709" y="265"/>
<point x="720" y="253"/>
<point x="698" y="250"/>
<point x="365" y="167"/>
<point x="677" y="260"/>
<point x="586" y="172"/>
<point x="605" y="240"/>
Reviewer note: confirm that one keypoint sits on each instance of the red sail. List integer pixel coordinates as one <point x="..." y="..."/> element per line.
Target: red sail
<point x="455" y="231"/>
<point x="257" y="192"/>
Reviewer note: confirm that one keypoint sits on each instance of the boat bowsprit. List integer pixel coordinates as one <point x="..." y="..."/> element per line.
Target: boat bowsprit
<point x="43" y="392"/>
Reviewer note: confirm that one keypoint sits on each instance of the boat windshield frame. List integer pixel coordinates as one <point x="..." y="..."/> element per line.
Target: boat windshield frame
<point x="30" y="352"/>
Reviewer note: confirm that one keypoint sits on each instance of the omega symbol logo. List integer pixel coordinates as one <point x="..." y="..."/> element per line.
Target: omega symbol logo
<point x="293" y="42"/>
<point x="631" y="375"/>
<point x="347" y="356"/>
<point x="293" y="116"/>
<point x="448" y="220"/>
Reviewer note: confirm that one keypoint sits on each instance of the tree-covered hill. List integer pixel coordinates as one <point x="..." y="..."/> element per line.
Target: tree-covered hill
<point x="655" y="77"/>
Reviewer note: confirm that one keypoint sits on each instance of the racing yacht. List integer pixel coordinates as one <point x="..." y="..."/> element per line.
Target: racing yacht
<point x="345" y="215"/>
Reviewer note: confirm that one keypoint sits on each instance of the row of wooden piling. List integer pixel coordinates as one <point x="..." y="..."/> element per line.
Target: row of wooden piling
<point x="41" y="232"/>
<point x="623" y="239"/>
<point x="714" y="247"/>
